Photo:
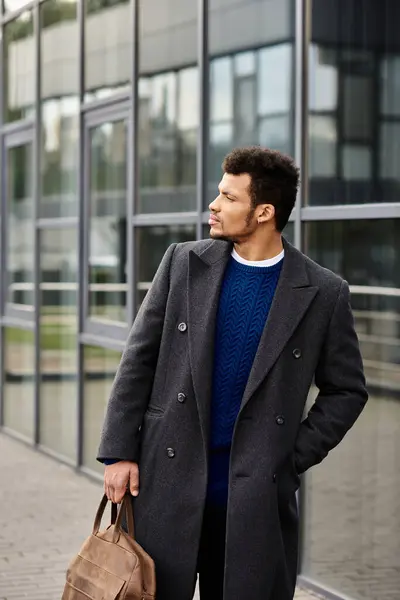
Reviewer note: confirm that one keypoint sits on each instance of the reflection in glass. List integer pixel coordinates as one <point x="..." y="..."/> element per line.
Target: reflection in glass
<point x="20" y="228"/>
<point x="158" y="238"/>
<point x="250" y="102"/>
<point x="168" y="117"/>
<point x="354" y="89"/>
<point x="19" y="68"/>
<point x="100" y="366"/>
<point x="108" y="62"/>
<point x="58" y="340"/>
<point x="352" y="533"/>
<point x="11" y="5"/>
<point x="59" y="107"/>
<point x="107" y="221"/>
<point x="275" y="83"/>
<point x="19" y="381"/>
<point x="274" y="132"/>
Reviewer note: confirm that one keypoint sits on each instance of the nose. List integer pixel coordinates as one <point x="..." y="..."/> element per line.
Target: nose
<point x="213" y="206"/>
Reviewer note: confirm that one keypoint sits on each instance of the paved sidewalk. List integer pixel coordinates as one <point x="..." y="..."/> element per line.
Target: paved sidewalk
<point x="46" y="511"/>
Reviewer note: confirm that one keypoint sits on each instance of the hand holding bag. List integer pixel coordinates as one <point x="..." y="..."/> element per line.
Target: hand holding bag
<point x="111" y="565"/>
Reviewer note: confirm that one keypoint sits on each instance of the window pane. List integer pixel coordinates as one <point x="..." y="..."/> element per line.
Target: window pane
<point x="108" y="62"/>
<point x="356" y="162"/>
<point x="251" y="75"/>
<point x="275" y="81"/>
<point x="390" y="86"/>
<point x="355" y="86"/>
<point x="100" y="367"/>
<point x="389" y="171"/>
<point x="58" y="340"/>
<point x="352" y="532"/>
<point x="19" y="68"/>
<point x="59" y="108"/>
<point x="20" y="228"/>
<point x="19" y="381"/>
<point x="322" y="142"/>
<point x="221" y="90"/>
<point x="275" y="133"/>
<point x="107" y="225"/>
<point x="157" y="238"/>
<point x="323" y="79"/>
<point x="168" y="106"/>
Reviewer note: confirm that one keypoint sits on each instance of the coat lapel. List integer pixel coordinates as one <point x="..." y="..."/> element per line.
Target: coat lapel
<point x="206" y="271"/>
<point x="292" y="299"/>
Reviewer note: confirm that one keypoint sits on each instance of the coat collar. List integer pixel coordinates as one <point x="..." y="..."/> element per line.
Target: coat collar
<point x="292" y="298"/>
<point x="294" y="266"/>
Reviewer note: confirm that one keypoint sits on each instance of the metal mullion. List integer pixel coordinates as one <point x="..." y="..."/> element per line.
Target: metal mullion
<point x="23" y="315"/>
<point x="36" y="186"/>
<point x="133" y="171"/>
<point x="301" y="64"/>
<point x="351" y="212"/>
<point x="2" y="363"/>
<point x="104" y="103"/>
<point x="112" y="112"/>
<point x="57" y="223"/>
<point x="3" y="215"/>
<point x="2" y="75"/>
<point x="303" y="15"/>
<point x="15" y="320"/>
<point x="106" y="329"/>
<point x="81" y="237"/>
<point x="17" y="134"/>
<point x="153" y="219"/>
<point x="203" y="129"/>
<point x="90" y="339"/>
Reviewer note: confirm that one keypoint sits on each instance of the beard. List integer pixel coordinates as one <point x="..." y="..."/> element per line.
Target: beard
<point x="238" y="237"/>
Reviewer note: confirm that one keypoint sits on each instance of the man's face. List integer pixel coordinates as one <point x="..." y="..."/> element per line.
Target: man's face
<point x="232" y="215"/>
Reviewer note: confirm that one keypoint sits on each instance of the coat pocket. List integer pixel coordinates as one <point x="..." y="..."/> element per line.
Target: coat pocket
<point x="154" y="411"/>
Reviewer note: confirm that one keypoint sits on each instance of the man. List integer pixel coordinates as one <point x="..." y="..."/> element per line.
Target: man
<point x="205" y="415"/>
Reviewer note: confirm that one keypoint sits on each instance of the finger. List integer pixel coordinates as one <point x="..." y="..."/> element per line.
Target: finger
<point x="134" y="481"/>
<point x="108" y="492"/>
<point x="119" y="493"/>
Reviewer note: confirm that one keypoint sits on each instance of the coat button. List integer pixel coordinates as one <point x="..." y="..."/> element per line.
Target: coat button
<point x="274" y="477"/>
<point x="280" y="420"/>
<point x="297" y="353"/>
<point x="182" y="327"/>
<point x="181" y="397"/>
<point x="170" y="452"/>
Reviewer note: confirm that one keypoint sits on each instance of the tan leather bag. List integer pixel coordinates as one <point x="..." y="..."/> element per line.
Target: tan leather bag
<point x="111" y="565"/>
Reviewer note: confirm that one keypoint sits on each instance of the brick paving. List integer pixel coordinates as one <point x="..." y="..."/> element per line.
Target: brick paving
<point x="46" y="511"/>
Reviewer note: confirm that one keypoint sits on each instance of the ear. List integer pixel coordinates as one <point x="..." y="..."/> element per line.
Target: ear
<point x="265" y="213"/>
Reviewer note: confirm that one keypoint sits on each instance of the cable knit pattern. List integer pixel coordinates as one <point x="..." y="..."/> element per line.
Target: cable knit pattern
<point x="246" y="297"/>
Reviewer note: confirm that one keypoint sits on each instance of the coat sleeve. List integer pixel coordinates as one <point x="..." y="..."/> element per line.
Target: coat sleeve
<point x="134" y="379"/>
<point x="342" y="393"/>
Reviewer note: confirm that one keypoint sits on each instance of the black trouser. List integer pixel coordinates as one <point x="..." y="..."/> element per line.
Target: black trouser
<point x="211" y="559"/>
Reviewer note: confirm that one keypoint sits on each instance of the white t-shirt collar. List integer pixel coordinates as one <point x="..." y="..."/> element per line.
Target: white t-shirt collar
<point x="268" y="262"/>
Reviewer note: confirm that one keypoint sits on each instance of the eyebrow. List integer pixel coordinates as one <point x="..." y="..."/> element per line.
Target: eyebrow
<point x="226" y="193"/>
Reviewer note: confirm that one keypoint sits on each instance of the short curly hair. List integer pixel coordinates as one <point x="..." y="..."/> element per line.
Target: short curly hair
<point x="274" y="178"/>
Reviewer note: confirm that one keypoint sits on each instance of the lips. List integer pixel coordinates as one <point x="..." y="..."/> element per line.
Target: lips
<point x="212" y="220"/>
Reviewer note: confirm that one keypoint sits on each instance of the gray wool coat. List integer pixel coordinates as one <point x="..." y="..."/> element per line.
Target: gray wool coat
<point x="158" y="415"/>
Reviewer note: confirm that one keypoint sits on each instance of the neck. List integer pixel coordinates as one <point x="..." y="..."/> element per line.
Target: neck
<point x="253" y="249"/>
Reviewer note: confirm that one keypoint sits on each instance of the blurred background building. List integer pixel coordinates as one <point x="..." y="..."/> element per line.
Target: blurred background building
<point x="114" y="118"/>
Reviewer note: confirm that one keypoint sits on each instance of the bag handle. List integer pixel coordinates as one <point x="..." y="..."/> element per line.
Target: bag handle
<point x="116" y="517"/>
<point x="126" y="507"/>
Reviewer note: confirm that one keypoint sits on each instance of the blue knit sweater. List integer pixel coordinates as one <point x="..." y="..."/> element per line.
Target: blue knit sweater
<point x="246" y="297"/>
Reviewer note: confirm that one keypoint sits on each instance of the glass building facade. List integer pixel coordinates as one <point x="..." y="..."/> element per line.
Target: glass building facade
<point x="114" y="118"/>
